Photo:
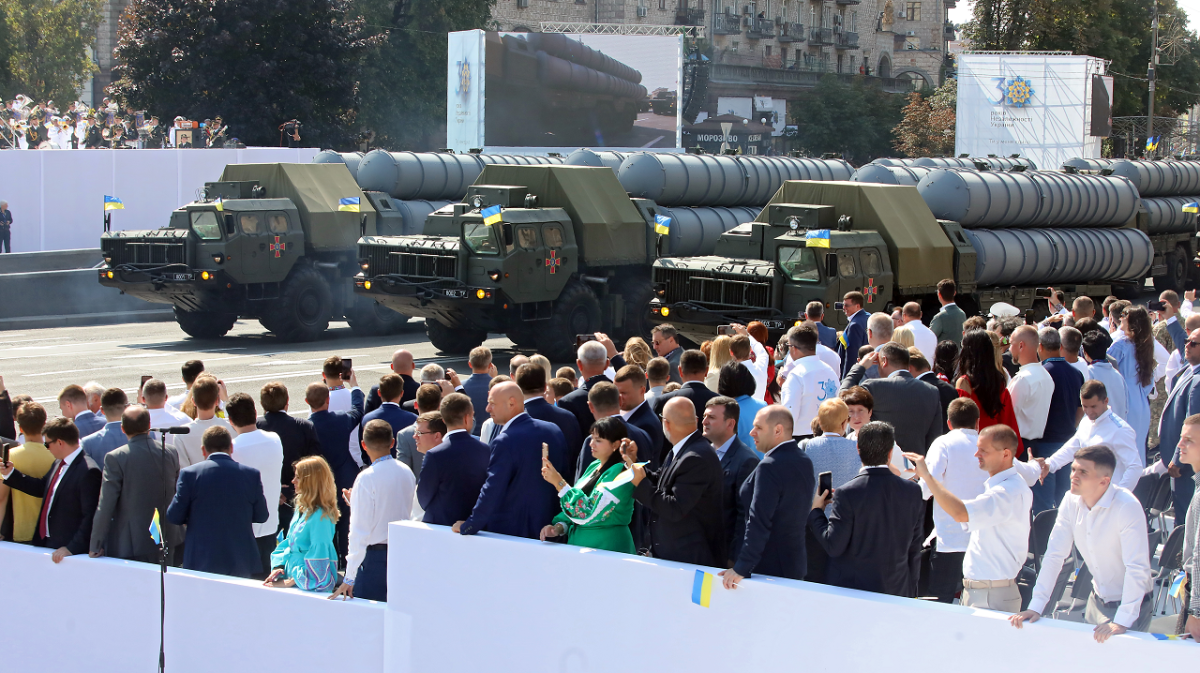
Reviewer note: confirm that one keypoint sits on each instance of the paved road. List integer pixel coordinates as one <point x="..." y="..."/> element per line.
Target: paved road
<point x="41" y="362"/>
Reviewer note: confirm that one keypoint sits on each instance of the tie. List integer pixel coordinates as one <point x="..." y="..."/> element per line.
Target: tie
<point x="43" y="529"/>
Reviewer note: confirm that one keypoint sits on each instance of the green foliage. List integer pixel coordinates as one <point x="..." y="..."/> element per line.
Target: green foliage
<point x="403" y="79"/>
<point x="44" y="46"/>
<point x="256" y="63"/>
<point x="854" y="119"/>
<point x="927" y="128"/>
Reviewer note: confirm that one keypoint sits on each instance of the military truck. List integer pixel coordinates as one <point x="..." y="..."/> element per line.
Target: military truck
<point x="267" y="241"/>
<point x="883" y="241"/>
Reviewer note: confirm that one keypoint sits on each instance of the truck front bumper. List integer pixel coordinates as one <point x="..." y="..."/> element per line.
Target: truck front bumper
<point x="189" y="289"/>
<point x="700" y="324"/>
<point x="475" y="307"/>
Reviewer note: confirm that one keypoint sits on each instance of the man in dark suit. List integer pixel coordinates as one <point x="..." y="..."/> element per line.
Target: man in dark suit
<point x="453" y="472"/>
<point x="693" y="368"/>
<point x="297" y="435"/>
<point x="139" y="478"/>
<point x="403" y="366"/>
<point x="70" y="492"/>
<point x="532" y="381"/>
<point x="779" y="491"/>
<point x="332" y="428"/>
<point x="855" y="334"/>
<point x="592" y="361"/>
<point x="665" y="342"/>
<point x="919" y="367"/>
<point x="1183" y="400"/>
<point x="913" y="408"/>
<point x="636" y="410"/>
<point x="719" y="426"/>
<point x="515" y="500"/>
<point x="815" y="314"/>
<point x="8" y="426"/>
<point x="603" y="400"/>
<point x="475" y="386"/>
<point x="687" y="519"/>
<point x="390" y="390"/>
<point x="874" y="531"/>
<point x="219" y="499"/>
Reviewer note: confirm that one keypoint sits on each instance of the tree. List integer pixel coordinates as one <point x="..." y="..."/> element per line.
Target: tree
<point x="927" y="128"/>
<point x="853" y="119"/>
<point x="44" y="47"/>
<point x="403" y="91"/>
<point x="256" y="63"/>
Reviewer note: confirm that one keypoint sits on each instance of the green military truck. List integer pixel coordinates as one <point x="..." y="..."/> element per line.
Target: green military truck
<point x="267" y="241"/>
<point x="883" y="241"/>
<point x="571" y="256"/>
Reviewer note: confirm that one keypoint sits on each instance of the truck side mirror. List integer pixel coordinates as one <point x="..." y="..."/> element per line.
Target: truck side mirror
<point x="831" y="266"/>
<point x="228" y="225"/>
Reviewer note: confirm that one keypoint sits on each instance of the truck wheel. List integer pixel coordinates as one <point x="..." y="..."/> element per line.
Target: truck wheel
<point x="637" y="295"/>
<point x="1177" y="272"/>
<point x="303" y="309"/>
<point x="577" y="311"/>
<point x="453" y="340"/>
<point x="370" y="318"/>
<point x="204" y="324"/>
<point x="524" y="336"/>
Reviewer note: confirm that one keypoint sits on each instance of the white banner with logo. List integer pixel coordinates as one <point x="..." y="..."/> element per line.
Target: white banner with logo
<point x="1036" y="106"/>
<point x="464" y="90"/>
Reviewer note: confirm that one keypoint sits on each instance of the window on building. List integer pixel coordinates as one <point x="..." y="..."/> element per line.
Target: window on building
<point x="662" y="4"/>
<point x="767" y="50"/>
<point x="735" y="46"/>
<point x="912" y="11"/>
<point x="839" y="63"/>
<point x="853" y="22"/>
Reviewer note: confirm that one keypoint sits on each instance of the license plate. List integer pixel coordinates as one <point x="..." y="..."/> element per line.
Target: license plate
<point x="456" y="294"/>
<point x="178" y="276"/>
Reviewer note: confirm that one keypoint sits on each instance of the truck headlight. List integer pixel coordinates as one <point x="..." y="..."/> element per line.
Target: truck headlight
<point x="219" y="258"/>
<point x="480" y="294"/>
<point x="204" y="275"/>
<point x="665" y="311"/>
<point x="366" y="285"/>
<point x="494" y="274"/>
<point x="109" y="274"/>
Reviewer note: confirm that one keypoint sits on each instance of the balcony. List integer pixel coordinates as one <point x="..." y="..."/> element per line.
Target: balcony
<point x="727" y="24"/>
<point x="847" y="2"/>
<point x="757" y="29"/>
<point x="689" y="16"/>
<point x="820" y="37"/>
<point x="948" y="32"/>
<point x="791" y="32"/>
<point x="845" y="40"/>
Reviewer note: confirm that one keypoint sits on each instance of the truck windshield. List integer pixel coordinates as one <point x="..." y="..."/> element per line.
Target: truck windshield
<point x="206" y="225"/>
<point x="800" y="264"/>
<point x="479" y="238"/>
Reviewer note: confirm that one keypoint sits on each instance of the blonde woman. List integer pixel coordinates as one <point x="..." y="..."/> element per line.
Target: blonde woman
<point x="904" y="336"/>
<point x="637" y="352"/>
<point x="543" y="362"/>
<point x="717" y="357"/>
<point x="306" y="558"/>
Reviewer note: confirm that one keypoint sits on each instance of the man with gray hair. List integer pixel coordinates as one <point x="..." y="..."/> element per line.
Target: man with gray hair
<point x="592" y="360"/>
<point x="879" y="331"/>
<point x="94" y="391"/>
<point x="432" y="373"/>
<point x="1072" y="341"/>
<point x="815" y="313"/>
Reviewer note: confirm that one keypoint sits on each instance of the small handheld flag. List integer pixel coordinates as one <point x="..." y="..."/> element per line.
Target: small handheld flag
<point x="220" y="205"/>
<point x="662" y="224"/>
<point x="155" y="529"/>
<point x="491" y="215"/>
<point x="1171" y="636"/>
<point x="1152" y="143"/>
<point x="113" y="203"/>
<point x="1193" y="207"/>
<point x="349" y="204"/>
<point x="702" y="588"/>
<point x="1177" y="586"/>
<point x="817" y="238"/>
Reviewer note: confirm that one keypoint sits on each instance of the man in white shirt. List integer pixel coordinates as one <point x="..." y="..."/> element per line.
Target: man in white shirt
<point x="1107" y="525"/>
<point x="951" y="460"/>
<point x="1032" y="387"/>
<point x="826" y="354"/>
<point x="746" y="350"/>
<point x="810" y="383"/>
<point x="191" y="370"/>
<point x="190" y="447"/>
<point x="382" y="493"/>
<point x="334" y="375"/>
<point x="263" y="451"/>
<point x="998" y="520"/>
<point x="162" y="415"/>
<point x="1100" y="426"/>
<point x="1095" y="350"/>
<point x="923" y="337"/>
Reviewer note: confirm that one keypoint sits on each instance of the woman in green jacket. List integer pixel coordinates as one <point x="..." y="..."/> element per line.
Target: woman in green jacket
<point x="597" y="509"/>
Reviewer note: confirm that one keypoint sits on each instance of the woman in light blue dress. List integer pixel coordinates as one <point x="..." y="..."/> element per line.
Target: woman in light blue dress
<point x="1134" y="353"/>
<point x="307" y="558"/>
<point x="736" y="381"/>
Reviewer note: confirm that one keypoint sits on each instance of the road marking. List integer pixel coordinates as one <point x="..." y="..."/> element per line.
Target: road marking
<point x="136" y="366"/>
<point x="651" y="143"/>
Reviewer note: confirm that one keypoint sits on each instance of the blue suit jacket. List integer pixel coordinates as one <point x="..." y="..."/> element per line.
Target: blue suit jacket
<point x="635" y="433"/>
<point x="394" y="415"/>
<point x="855" y="336"/>
<point x="542" y="410"/>
<point x="649" y="423"/>
<point x="827" y="336"/>
<point x="98" y="444"/>
<point x="1178" y="337"/>
<point x="515" y="500"/>
<point x="88" y="424"/>
<point x="218" y="499"/>
<point x="475" y="387"/>
<point x="1182" y="401"/>
<point x="452" y="475"/>
<point x="737" y="464"/>
<point x="779" y="492"/>
<point x="333" y="429"/>
<point x="576" y="403"/>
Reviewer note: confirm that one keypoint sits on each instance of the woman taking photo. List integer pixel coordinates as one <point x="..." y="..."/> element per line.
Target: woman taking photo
<point x="306" y="558"/>
<point x="982" y="380"/>
<point x="597" y="510"/>
<point x="718" y="355"/>
<point x="1133" y="350"/>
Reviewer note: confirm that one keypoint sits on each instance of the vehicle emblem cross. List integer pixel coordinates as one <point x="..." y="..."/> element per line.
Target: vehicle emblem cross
<point x="278" y="247"/>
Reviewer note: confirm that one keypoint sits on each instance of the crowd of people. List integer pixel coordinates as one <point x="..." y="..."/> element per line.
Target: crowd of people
<point x="26" y="124"/>
<point x="893" y="457"/>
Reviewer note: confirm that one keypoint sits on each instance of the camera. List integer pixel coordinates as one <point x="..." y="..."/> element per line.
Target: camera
<point x="581" y="339"/>
<point x="725" y="330"/>
<point x="839" y="306"/>
<point x="1156" y="305"/>
<point x="1042" y="292"/>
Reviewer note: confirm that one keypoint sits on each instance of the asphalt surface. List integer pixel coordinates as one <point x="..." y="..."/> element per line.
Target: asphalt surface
<point x="42" y="362"/>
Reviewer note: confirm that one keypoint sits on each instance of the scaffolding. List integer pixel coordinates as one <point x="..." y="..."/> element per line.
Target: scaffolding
<point x="620" y="29"/>
<point x="1177" y="136"/>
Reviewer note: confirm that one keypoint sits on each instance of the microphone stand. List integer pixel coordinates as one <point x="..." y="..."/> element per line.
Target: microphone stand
<point x="162" y="556"/>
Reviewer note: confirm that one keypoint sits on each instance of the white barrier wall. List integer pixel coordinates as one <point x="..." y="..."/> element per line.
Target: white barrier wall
<point x="102" y="615"/>
<point x="495" y="603"/>
<point x="56" y="196"/>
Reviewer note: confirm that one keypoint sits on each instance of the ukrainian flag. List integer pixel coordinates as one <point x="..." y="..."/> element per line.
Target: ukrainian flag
<point x="220" y="205"/>
<point x="349" y="204"/>
<point x="702" y="588"/>
<point x="1152" y="143"/>
<point x="113" y="203"/>
<point x="491" y="215"/>
<point x="817" y="238"/>
<point x="662" y="224"/>
<point x="1193" y="207"/>
<point x="155" y="529"/>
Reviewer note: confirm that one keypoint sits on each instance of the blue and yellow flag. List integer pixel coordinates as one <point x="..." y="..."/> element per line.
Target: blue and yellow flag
<point x="1152" y="143"/>
<point x="491" y="215"/>
<point x="220" y="205"/>
<point x="702" y="588"/>
<point x="113" y="203"/>
<point x="817" y="238"/>
<point x="349" y="204"/>
<point x="155" y="529"/>
<point x="1193" y="207"/>
<point x="662" y="224"/>
<point x="1170" y="636"/>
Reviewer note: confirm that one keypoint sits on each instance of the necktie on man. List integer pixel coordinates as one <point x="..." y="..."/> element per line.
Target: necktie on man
<point x="43" y="528"/>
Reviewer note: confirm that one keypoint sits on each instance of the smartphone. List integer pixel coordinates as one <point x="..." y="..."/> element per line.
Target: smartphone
<point x="839" y="306"/>
<point x="725" y="330"/>
<point x="145" y="378"/>
<point x="1029" y="317"/>
<point x="1156" y="305"/>
<point x="824" y="482"/>
<point x="3" y="453"/>
<point x="1042" y="292"/>
<point x="581" y="339"/>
